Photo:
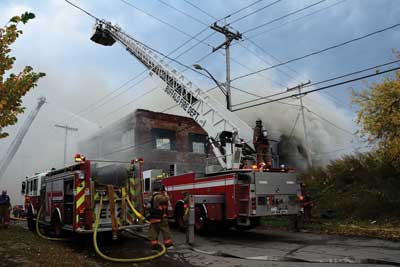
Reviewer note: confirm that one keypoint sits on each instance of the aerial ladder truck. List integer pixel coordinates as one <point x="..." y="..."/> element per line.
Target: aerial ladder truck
<point x="16" y="143"/>
<point x="244" y="186"/>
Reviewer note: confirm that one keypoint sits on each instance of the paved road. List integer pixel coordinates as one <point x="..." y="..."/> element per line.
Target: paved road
<point x="277" y="248"/>
<point x="285" y="249"/>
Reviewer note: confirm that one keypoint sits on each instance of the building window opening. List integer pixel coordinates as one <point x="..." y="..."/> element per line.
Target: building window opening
<point x="35" y="184"/>
<point x="198" y="147"/>
<point x="164" y="139"/>
<point x="163" y="143"/>
<point x="197" y="143"/>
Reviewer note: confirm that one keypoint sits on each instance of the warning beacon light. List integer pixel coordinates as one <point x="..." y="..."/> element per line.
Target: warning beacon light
<point x="79" y="158"/>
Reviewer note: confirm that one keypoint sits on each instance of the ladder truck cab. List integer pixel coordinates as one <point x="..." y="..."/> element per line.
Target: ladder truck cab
<point x="246" y="182"/>
<point x="67" y="199"/>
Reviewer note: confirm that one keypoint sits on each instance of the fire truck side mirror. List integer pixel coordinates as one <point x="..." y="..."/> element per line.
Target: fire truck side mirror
<point x="23" y="186"/>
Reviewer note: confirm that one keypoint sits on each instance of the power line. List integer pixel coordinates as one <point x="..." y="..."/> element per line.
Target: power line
<point x="319" y="89"/>
<point x="294" y="20"/>
<point x="252" y="94"/>
<point x="138" y="75"/>
<point x="328" y="121"/>
<point x="243" y="8"/>
<point x="199" y="21"/>
<point x="284" y="16"/>
<point x="130" y="102"/>
<point x="182" y="12"/>
<point x="255" y="11"/>
<point x="163" y="22"/>
<point x="295" y="123"/>
<point x="201" y="10"/>
<point x="320" y="51"/>
<point x="325" y="81"/>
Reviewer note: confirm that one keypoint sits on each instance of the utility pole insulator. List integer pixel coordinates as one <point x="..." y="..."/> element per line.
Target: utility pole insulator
<point x="229" y="37"/>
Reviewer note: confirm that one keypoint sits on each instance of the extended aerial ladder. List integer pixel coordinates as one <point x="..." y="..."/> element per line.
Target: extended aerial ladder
<point x="229" y="135"/>
<point x="15" y="144"/>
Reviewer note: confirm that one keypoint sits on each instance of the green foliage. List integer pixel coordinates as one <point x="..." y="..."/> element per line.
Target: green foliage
<point x="15" y="86"/>
<point x="360" y="186"/>
<point x="379" y="116"/>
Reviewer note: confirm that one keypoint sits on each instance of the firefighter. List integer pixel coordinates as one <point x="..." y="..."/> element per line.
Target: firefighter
<point x="261" y="144"/>
<point x="158" y="217"/>
<point x="5" y="207"/>
<point x="307" y="206"/>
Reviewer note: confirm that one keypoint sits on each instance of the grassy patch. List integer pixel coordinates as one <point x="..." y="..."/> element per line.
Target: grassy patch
<point x="382" y="230"/>
<point x="20" y="247"/>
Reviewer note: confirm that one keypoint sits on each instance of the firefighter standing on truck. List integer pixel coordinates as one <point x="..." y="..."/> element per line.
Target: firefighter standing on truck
<point x="159" y="217"/>
<point x="5" y="207"/>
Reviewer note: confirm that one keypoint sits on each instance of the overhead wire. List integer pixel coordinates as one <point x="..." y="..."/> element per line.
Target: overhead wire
<point x="326" y="80"/>
<point x="320" y="51"/>
<point x="99" y="103"/>
<point x="201" y="10"/>
<point x="329" y="122"/>
<point x="319" y="89"/>
<point x="233" y="59"/>
<point x="254" y="12"/>
<point x="282" y="17"/>
<point x="294" y="20"/>
<point x="294" y="125"/>
<point x="243" y="8"/>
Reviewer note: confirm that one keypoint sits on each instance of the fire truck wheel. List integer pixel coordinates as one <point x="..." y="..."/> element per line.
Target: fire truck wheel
<point x="200" y="222"/>
<point x="56" y="224"/>
<point x="29" y="220"/>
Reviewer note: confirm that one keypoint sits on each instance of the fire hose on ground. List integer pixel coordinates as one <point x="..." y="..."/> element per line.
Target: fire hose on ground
<point x="96" y="247"/>
<point x="38" y="229"/>
<point x="101" y="254"/>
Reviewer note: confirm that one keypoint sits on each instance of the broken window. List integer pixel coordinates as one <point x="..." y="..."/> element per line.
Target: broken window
<point x="164" y="139"/>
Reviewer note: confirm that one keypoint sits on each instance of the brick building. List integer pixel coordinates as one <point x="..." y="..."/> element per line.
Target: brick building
<point x="161" y="139"/>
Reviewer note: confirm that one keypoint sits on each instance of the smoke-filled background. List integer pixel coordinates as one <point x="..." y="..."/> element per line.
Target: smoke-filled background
<point x="88" y="86"/>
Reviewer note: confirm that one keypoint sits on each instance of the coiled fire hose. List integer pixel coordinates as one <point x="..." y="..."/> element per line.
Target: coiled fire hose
<point x="38" y="229"/>
<point x="101" y="254"/>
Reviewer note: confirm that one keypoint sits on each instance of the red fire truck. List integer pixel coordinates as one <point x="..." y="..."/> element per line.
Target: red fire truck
<point x="232" y="191"/>
<point x="68" y="198"/>
<point x="228" y="199"/>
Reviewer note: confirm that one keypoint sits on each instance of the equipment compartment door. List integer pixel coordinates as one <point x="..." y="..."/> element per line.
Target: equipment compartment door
<point x="269" y="183"/>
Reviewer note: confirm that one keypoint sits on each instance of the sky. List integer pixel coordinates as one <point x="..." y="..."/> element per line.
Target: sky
<point x="88" y="86"/>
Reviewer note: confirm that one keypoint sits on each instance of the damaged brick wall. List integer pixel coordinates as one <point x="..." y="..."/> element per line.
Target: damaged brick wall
<point x="134" y="136"/>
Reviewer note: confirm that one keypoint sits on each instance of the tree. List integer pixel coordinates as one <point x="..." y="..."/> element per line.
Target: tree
<point x="379" y="116"/>
<point x="15" y="86"/>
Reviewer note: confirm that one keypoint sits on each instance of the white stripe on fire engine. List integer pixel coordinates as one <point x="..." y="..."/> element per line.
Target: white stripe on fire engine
<point x="200" y="185"/>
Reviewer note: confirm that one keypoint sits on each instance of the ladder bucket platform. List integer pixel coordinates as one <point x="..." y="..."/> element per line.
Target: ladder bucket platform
<point x="102" y="36"/>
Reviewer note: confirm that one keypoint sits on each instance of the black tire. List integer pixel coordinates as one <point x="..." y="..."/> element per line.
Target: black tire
<point x="56" y="225"/>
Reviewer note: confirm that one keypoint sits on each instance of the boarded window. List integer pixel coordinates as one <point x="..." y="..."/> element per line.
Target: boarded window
<point x="197" y="143"/>
<point x="163" y="139"/>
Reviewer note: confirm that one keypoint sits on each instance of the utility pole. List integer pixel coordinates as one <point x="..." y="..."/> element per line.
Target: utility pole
<point x="67" y="128"/>
<point x="299" y="87"/>
<point x="229" y="37"/>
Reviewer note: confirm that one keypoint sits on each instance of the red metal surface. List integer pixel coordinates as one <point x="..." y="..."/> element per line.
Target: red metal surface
<point x="223" y="184"/>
